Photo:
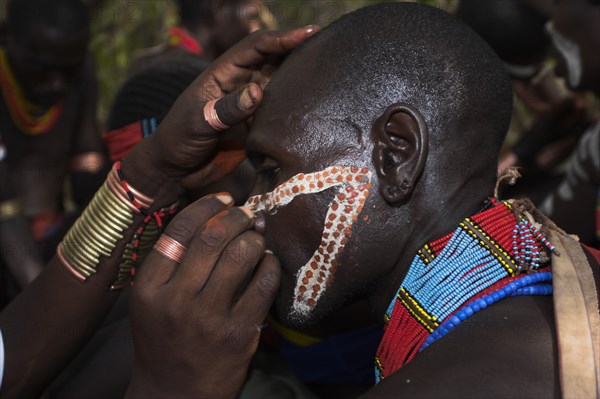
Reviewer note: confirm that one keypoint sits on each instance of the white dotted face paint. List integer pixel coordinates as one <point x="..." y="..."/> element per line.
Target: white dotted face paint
<point x="570" y="52"/>
<point x="353" y="185"/>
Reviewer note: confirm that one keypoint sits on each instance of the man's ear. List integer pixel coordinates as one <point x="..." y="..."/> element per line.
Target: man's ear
<point x="401" y="147"/>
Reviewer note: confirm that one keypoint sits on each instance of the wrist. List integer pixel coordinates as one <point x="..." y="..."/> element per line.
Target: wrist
<point x="143" y="172"/>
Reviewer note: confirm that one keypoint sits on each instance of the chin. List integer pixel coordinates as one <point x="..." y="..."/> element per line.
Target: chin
<point x="283" y="308"/>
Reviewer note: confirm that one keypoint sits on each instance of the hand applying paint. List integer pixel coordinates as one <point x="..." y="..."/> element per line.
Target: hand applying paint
<point x="196" y="324"/>
<point x="174" y="157"/>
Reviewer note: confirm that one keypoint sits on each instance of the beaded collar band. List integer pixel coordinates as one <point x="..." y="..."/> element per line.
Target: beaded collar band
<point x="491" y="255"/>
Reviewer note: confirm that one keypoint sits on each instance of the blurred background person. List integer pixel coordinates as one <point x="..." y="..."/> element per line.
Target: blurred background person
<point x="48" y="111"/>
<point x="575" y="204"/>
<point x="547" y="118"/>
<point x="207" y="29"/>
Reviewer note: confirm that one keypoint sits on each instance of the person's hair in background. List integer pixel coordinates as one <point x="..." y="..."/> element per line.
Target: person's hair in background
<point x="67" y="16"/>
<point x="513" y="29"/>
<point x="152" y="92"/>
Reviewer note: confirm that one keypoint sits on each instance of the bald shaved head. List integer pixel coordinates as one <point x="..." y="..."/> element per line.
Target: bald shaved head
<point x="410" y="97"/>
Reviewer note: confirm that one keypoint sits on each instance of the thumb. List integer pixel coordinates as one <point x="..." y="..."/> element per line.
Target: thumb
<point x="235" y="107"/>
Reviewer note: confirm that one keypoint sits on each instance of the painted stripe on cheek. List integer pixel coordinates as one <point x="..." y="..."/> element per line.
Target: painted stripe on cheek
<point x="353" y="185"/>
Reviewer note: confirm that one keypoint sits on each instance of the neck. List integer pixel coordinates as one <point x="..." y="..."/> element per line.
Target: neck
<point x="437" y="220"/>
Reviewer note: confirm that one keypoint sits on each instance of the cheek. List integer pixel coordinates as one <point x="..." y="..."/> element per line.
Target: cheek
<point x="296" y="230"/>
<point x="318" y="221"/>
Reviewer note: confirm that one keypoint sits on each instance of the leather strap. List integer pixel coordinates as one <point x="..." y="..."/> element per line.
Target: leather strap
<point x="577" y="320"/>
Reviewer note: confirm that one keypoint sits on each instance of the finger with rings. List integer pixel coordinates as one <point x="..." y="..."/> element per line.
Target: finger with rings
<point x="170" y="248"/>
<point x="211" y="116"/>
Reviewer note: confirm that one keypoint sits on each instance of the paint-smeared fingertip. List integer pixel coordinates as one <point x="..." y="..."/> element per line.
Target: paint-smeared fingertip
<point x="225" y="198"/>
<point x="247" y="211"/>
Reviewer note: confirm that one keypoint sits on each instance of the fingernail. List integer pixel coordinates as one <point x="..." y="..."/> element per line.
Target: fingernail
<point x="310" y="28"/>
<point x="246" y="99"/>
<point x="247" y="211"/>
<point x="253" y="93"/>
<point x="269" y="252"/>
<point x="225" y="198"/>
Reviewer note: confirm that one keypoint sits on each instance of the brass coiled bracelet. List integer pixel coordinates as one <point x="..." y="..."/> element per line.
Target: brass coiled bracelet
<point x="101" y="226"/>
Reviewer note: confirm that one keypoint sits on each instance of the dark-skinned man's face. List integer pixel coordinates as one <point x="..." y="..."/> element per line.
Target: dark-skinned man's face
<point x="47" y="63"/>
<point x="322" y="225"/>
<point x="575" y="31"/>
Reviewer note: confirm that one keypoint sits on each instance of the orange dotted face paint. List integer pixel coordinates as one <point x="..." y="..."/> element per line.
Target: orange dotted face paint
<point x="353" y="185"/>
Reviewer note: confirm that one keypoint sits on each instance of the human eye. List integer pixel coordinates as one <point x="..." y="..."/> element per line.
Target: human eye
<point x="267" y="169"/>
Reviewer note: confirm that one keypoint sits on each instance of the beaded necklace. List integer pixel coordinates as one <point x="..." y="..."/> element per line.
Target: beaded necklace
<point x="490" y="256"/>
<point x="29" y="118"/>
<point x="180" y="37"/>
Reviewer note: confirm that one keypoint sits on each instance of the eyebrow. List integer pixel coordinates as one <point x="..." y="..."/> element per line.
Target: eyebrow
<point x="254" y="146"/>
<point x="262" y="144"/>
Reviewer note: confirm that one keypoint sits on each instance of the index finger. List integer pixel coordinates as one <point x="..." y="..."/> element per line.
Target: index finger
<point x="158" y="268"/>
<point x="261" y="45"/>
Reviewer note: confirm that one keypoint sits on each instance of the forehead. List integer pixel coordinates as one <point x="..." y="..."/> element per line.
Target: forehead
<point x="305" y="138"/>
<point x="304" y="116"/>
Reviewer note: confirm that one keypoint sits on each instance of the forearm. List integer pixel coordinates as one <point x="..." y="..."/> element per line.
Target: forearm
<point x="46" y="325"/>
<point x="19" y="251"/>
<point x="50" y="321"/>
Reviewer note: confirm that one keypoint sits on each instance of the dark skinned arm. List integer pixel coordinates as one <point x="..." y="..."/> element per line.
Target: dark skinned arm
<point x="51" y="320"/>
<point x="17" y="247"/>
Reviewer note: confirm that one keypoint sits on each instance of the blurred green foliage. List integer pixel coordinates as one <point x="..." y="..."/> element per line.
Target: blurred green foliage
<point x="121" y="28"/>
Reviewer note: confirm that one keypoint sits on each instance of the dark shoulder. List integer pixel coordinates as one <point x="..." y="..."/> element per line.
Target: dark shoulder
<point x="508" y="350"/>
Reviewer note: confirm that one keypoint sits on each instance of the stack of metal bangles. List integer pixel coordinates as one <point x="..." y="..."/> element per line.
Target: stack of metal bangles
<point x="109" y="214"/>
<point x="99" y="229"/>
